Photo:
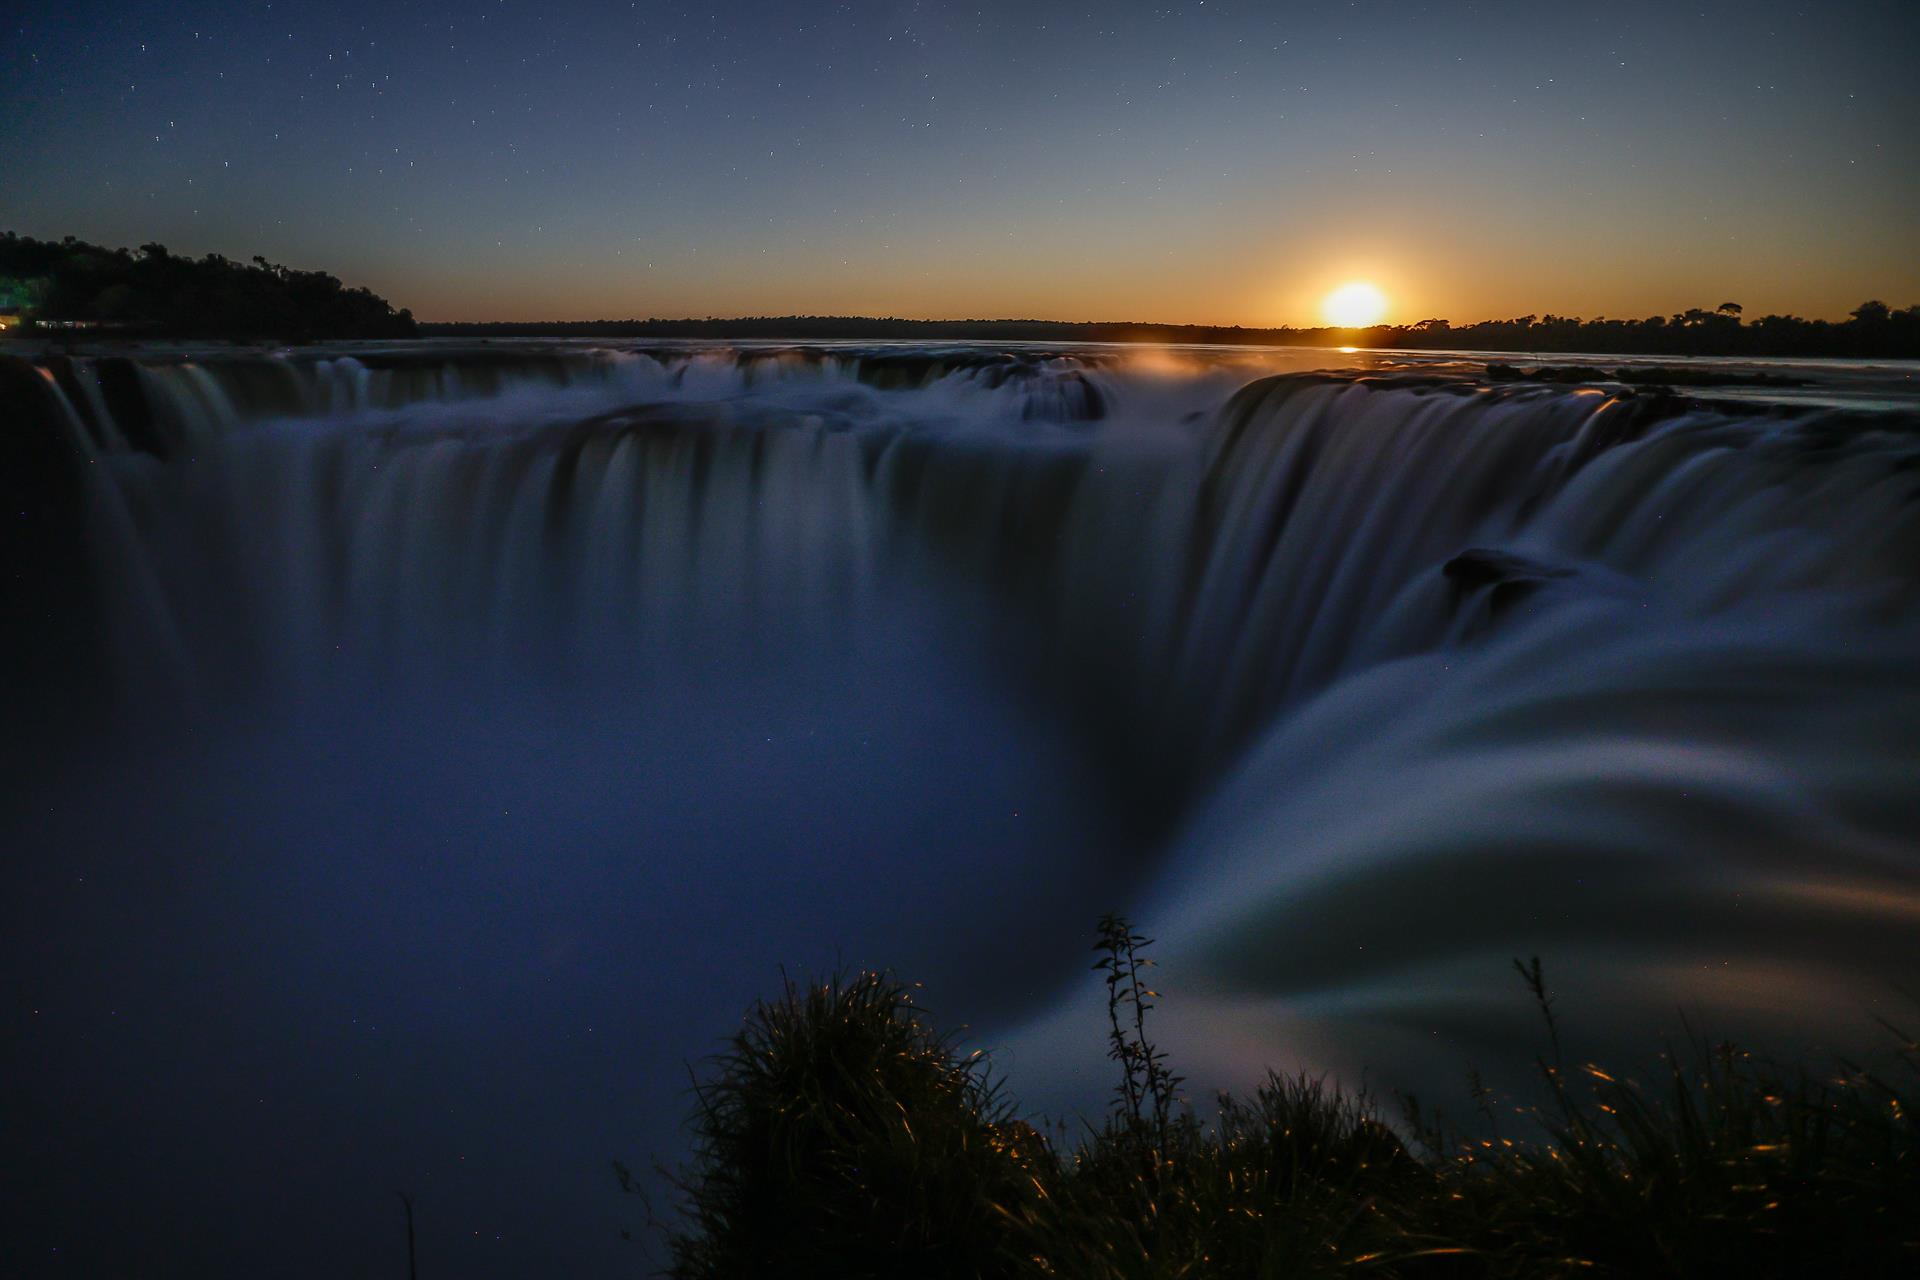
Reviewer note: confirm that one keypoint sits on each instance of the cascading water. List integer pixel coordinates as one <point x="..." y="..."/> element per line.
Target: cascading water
<point x="579" y="687"/>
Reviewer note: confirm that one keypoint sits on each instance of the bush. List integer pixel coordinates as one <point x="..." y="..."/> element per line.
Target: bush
<point x="842" y="1136"/>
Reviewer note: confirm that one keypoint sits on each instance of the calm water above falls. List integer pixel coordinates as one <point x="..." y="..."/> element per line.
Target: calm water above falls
<point x="450" y="741"/>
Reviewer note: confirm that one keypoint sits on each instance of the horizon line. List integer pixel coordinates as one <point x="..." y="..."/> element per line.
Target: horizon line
<point x="763" y="318"/>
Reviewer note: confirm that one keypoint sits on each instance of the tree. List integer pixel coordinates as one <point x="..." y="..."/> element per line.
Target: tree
<point x="153" y="291"/>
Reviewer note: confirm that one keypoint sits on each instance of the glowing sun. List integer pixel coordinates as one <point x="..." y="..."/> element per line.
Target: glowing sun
<point x="1354" y="306"/>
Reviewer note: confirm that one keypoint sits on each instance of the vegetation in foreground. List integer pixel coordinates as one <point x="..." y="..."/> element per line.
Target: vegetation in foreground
<point x="841" y="1134"/>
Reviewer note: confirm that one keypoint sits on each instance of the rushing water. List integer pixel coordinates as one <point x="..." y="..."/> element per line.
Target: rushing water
<point x="432" y="748"/>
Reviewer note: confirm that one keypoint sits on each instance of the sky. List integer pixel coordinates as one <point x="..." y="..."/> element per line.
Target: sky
<point x="1203" y="162"/>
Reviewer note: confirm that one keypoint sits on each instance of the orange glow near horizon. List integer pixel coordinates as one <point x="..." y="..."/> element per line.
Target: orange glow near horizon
<point x="1270" y="271"/>
<point x="1263" y="276"/>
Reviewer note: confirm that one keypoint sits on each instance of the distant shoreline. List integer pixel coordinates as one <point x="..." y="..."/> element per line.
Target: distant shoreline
<point x="1880" y="334"/>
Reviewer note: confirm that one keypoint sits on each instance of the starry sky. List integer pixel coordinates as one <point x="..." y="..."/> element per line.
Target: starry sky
<point x="1215" y="161"/>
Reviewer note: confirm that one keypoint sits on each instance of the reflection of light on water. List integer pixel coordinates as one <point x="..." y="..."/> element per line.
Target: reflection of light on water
<point x="1160" y="362"/>
<point x="1347" y="351"/>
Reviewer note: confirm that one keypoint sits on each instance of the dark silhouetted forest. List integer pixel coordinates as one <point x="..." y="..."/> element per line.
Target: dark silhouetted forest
<point x="1875" y="330"/>
<point x="150" y="292"/>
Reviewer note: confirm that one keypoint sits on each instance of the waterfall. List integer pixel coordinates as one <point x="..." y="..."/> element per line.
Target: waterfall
<point x="1205" y="574"/>
<point x="1389" y="675"/>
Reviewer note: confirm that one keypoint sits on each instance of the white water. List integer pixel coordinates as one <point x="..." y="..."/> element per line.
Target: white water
<point x="856" y="651"/>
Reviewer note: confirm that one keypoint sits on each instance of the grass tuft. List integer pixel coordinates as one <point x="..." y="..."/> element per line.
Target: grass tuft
<point x="840" y="1134"/>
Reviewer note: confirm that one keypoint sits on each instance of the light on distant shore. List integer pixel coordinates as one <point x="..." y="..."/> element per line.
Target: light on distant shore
<point x="1354" y="306"/>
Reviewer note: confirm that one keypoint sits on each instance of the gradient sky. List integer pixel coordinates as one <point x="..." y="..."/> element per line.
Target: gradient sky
<point x="1204" y="161"/>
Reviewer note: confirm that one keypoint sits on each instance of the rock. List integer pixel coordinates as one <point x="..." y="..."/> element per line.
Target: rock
<point x="1667" y="376"/>
<point x="1508" y="578"/>
<point x="1555" y="373"/>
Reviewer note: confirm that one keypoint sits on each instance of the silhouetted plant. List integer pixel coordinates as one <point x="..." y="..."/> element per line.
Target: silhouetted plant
<point x="840" y="1135"/>
<point x="1145" y="1097"/>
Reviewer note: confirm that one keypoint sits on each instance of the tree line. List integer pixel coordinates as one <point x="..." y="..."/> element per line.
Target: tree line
<point x="151" y="292"/>
<point x="1872" y="330"/>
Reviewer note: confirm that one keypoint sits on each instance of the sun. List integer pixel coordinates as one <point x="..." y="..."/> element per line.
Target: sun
<point x="1354" y="306"/>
